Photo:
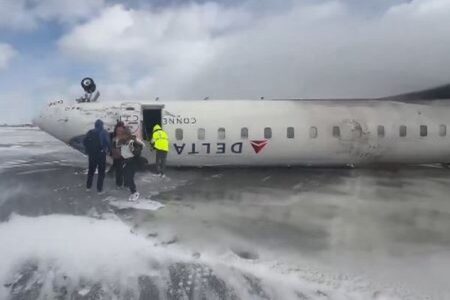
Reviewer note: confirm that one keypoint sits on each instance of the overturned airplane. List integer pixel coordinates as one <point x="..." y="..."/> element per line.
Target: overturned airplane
<point x="410" y="128"/>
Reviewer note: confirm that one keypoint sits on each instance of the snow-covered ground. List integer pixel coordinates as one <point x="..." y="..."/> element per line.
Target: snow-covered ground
<point x="222" y="234"/>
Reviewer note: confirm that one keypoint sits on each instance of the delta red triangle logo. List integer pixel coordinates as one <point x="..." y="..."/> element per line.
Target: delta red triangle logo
<point x="258" y="145"/>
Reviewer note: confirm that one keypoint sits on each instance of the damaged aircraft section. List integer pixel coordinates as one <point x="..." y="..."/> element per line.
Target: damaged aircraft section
<point x="304" y="132"/>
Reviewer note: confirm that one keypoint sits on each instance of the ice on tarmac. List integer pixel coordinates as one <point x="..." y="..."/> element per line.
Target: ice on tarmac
<point x="222" y="234"/>
<point x="142" y="203"/>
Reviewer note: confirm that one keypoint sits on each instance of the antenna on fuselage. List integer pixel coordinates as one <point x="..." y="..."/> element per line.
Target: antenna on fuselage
<point x="89" y="88"/>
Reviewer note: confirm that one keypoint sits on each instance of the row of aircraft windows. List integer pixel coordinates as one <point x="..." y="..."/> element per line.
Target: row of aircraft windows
<point x="313" y="132"/>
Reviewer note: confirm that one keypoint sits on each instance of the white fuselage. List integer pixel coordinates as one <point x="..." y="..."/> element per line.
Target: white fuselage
<point x="279" y="132"/>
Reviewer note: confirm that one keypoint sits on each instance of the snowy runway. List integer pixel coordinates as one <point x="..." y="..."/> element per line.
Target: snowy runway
<point x="222" y="234"/>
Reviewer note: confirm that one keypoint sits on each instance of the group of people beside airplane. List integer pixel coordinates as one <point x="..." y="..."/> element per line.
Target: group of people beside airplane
<point x="125" y="150"/>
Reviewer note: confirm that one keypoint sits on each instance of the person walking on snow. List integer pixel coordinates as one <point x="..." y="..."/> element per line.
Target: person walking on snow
<point x="97" y="144"/>
<point x="130" y="150"/>
<point x="160" y="142"/>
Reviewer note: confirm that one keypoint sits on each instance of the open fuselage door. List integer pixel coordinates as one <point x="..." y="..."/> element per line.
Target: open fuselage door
<point x="141" y="119"/>
<point x="151" y="115"/>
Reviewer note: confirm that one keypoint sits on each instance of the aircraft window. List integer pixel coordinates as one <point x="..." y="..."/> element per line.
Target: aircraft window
<point x="179" y="134"/>
<point x="313" y="132"/>
<point x="290" y="132"/>
<point x="380" y="130"/>
<point x="336" y="131"/>
<point x="221" y="133"/>
<point x="267" y="133"/>
<point x="402" y="131"/>
<point x="244" y="132"/>
<point x="423" y="130"/>
<point x="443" y="130"/>
<point x="201" y="133"/>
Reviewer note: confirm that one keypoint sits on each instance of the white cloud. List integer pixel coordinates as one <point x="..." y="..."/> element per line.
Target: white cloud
<point x="327" y="51"/>
<point x="7" y="53"/>
<point x="172" y="44"/>
<point x="311" y="50"/>
<point x="13" y="15"/>
<point x="26" y="14"/>
<point x="66" y="10"/>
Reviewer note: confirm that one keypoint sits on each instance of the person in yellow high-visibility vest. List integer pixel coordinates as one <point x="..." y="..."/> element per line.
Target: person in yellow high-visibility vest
<point x="160" y="142"/>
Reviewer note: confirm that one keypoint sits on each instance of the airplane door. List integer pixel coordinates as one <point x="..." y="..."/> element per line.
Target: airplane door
<point x="131" y="116"/>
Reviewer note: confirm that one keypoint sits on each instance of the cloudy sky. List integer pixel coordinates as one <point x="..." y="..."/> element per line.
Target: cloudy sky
<point x="178" y="49"/>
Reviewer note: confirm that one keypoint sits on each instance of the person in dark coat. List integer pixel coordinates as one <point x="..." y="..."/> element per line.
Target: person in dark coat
<point x="97" y="144"/>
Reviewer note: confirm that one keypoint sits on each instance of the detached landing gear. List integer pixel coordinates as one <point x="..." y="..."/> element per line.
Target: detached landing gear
<point x="89" y="87"/>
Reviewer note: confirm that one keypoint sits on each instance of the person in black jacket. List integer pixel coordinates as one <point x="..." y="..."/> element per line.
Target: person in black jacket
<point x="97" y="144"/>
